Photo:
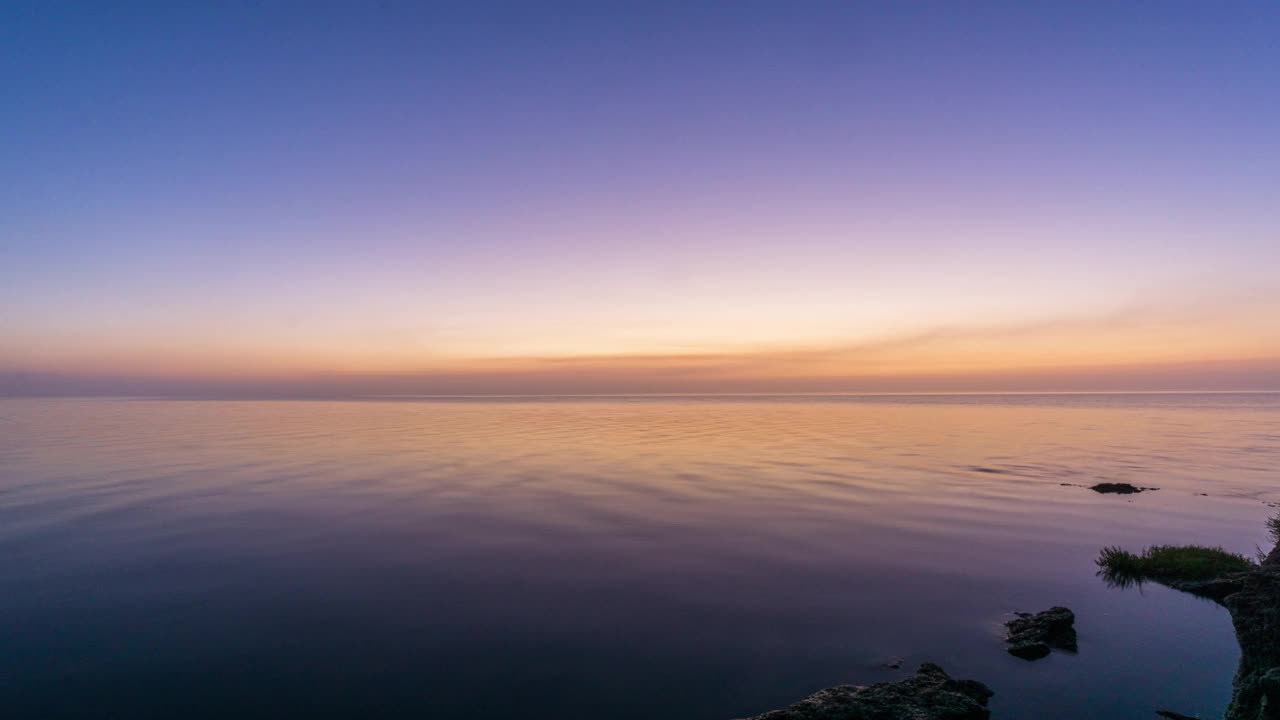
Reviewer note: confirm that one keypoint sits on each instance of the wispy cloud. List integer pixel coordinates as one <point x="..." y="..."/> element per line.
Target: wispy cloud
<point x="1227" y="343"/>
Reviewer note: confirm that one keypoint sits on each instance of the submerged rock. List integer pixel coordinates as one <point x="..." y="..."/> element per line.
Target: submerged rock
<point x="1119" y="488"/>
<point x="930" y="694"/>
<point x="988" y="470"/>
<point x="1032" y="636"/>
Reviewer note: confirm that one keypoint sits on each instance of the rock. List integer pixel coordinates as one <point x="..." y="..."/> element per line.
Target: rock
<point x="1030" y="650"/>
<point x="1119" y="488"/>
<point x="930" y="694"/>
<point x="1218" y="589"/>
<point x="1032" y="636"/>
<point x="1255" y="613"/>
<point x="1171" y="715"/>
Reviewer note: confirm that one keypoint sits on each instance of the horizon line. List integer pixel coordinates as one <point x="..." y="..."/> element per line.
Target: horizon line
<point x="464" y="396"/>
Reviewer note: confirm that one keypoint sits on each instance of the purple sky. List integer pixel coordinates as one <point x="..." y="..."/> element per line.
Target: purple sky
<point x="347" y="197"/>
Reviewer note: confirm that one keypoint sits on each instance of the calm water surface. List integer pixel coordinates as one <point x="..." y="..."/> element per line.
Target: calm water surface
<point x="699" y="558"/>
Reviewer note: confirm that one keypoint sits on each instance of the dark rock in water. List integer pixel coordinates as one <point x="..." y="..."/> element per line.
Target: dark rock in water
<point x="1030" y="650"/>
<point x="1171" y="715"/>
<point x="1032" y="636"/>
<point x="930" y="694"/>
<point x="1119" y="488"/>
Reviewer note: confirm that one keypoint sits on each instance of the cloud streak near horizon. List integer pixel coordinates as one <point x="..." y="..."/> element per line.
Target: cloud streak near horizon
<point x="1233" y="344"/>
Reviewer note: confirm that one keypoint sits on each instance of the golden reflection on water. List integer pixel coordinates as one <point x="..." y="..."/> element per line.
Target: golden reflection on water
<point x="693" y="462"/>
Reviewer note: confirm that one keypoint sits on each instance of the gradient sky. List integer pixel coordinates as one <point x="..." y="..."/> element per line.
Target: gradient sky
<point x="648" y="197"/>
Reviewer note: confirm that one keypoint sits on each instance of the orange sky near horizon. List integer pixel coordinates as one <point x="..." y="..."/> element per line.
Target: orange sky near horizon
<point x="1155" y="346"/>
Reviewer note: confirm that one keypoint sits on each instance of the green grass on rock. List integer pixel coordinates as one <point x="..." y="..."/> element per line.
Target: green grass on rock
<point x="1164" y="563"/>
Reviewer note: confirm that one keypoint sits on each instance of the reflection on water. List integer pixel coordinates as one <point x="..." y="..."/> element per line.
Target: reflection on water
<point x="623" y="558"/>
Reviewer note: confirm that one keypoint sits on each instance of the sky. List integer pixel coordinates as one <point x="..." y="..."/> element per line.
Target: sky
<point x="526" y="198"/>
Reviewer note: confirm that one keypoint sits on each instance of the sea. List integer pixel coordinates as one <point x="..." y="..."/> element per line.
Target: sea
<point x="674" y="557"/>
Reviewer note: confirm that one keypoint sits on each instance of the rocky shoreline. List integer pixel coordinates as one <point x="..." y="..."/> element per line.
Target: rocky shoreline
<point x="1255" y="613"/>
<point x="1252" y="596"/>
